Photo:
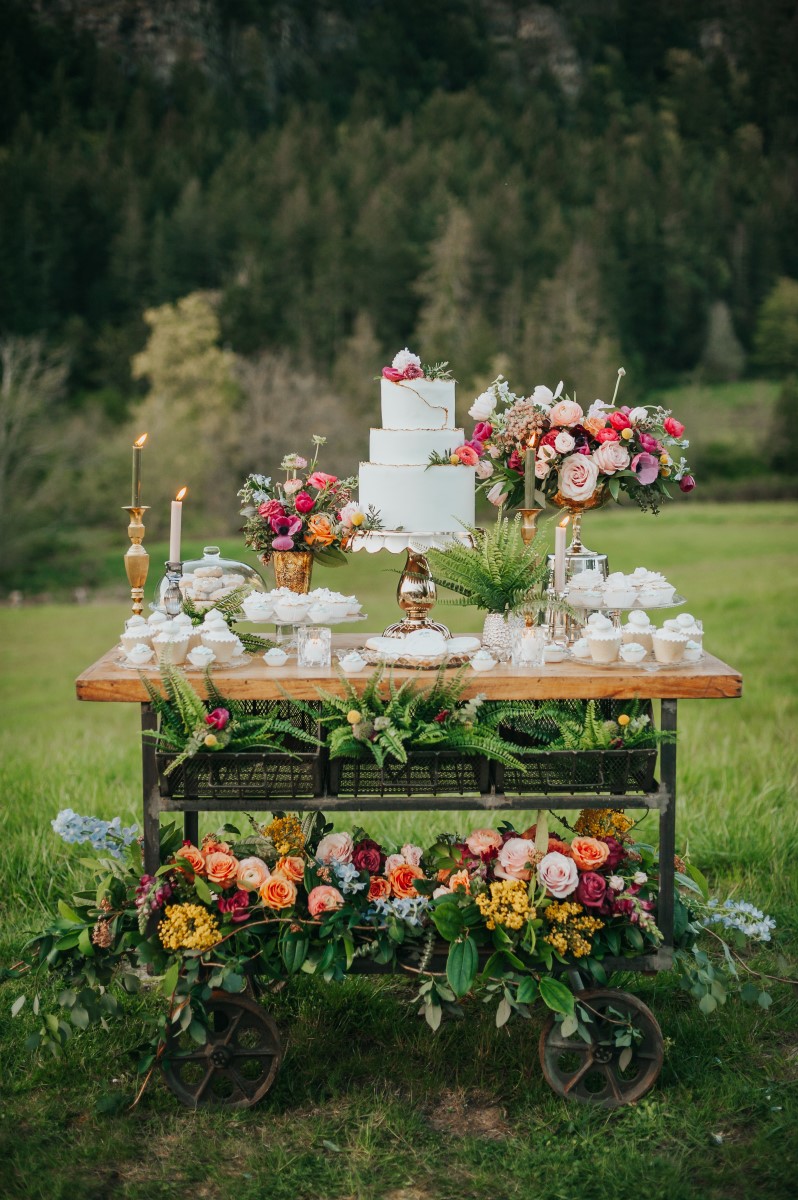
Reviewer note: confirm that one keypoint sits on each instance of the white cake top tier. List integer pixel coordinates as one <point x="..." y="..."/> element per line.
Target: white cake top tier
<point x="417" y="404"/>
<point x="398" y="446"/>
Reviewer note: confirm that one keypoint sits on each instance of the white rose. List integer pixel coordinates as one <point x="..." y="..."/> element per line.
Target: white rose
<point x="542" y="469"/>
<point x="483" y="406"/>
<point x="564" y="443"/>
<point x="547" y="453"/>
<point x="638" y="416"/>
<point x="544" y="396"/>
<point x="484" y="469"/>
<point x="405" y="359"/>
<point x="578" y="476"/>
<point x="611" y="457"/>
<point x="640" y="878"/>
<point x="335" y="847"/>
<point x="497" y="495"/>
<point x="616" y="883"/>
<point x="412" y="854"/>
<point x="558" y="874"/>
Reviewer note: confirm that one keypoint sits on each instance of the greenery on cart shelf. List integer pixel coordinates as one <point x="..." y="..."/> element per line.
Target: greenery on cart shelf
<point x="230" y="608"/>
<point x="413" y="717"/>
<point x="516" y="908"/>
<point x="500" y="574"/>
<point x="581" y="725"/>
<point x="190" y="725"/>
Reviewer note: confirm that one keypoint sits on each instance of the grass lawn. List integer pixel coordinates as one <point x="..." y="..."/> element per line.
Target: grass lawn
<point x="369" y="1103"/>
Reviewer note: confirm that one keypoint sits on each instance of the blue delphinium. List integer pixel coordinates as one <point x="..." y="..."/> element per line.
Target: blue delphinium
<point x="107" y="836"/>
<point x="742" y="916"/>
<point x="410" y="909"/>
<point x="348" y="878"/>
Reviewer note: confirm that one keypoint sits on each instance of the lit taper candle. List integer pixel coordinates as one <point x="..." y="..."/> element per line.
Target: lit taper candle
<point x="138" y="446"/>
<point x="559" y="556"/>
<point x="175" y="527"/>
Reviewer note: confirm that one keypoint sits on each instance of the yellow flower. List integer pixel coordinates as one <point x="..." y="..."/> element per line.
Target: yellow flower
<point x="454" y="460"/>
<point x="286" y="835"/>
<point x="602" y="822"/>
<point x="507" y="905"/>
<point x="188" y="927"/>
<point x="357" y="519"/>
<point x="665" y="459"/>
<point x="623" y="719"/>
<point x="353" y="717"/>
<point x="211" y="740"/>
<point x="569" y="926"/>
<point x="665" y="472"/>
<point x="627" y="434"/>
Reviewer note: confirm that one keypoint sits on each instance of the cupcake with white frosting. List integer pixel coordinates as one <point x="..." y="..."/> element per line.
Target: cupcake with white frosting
<point x="137" y="635"/>
<point x="669" y="645"/>
<point x="692" y="652"/>
<point x="171" y="643"/>
<point x="604" y="643"/>
<point x="140" y="654"/>
<point x="632" y="653"/>
<point x="618" y="591"/>
<point x="581" y="648"/>
<point x="638" y="628"/>
<point x="201" y="657"/>
<point x="221" y="641"/>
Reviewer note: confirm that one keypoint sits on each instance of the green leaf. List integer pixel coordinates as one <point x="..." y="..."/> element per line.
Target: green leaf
<point x="569" y="1025"/>
<point x="503" y="1012"/>
<point x="293" y="950"/>
<point x="432" y="1015"/>
<point x="707" y="1003"/>
<point x="169" y="981"/>
<point x="697" y="876"/>
<point x="625" y="1057"/>
<point x="461" y="965"/>
<point x="80" y="1017"/>
<point x="198" y="1032"/>
<point x="202" y="890"/>
<point x="527" y="991"/>
<point x="233" y="982"/>
<point x="764" y="1000"/>
<point x="18" y="1005"/>
<point x="84" y="942"/>
<point x="556" y="995"/>
<point x="448" y="920"/>
<point x="68" y="913"/>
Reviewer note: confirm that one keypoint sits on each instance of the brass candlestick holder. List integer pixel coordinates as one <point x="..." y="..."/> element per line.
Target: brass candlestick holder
<point x="137" y="560"/>
<point x="529" y="524"/>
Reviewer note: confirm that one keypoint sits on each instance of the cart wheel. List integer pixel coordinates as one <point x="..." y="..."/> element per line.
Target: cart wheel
<point x="598" y="1073"/>
<point x="238" y="1063"/>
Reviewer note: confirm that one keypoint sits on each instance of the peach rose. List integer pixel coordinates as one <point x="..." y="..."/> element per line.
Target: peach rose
<point x="278" y="892"/>
<point x="335" y="847"/>
<point x="566" y="412"/>
<point x="392" y="862"/>
<point x="611" y="457"/>
<point x="482" y="841"/>
<point x="589" y="853"/>
<point x="320" y="531"/>
<point x="324" y="899"/>
<point x="401" y="880"/>
<point x="578" y="477"/>
<point x="222" y="868"/>
<point x="460" y="881"/>
<point x="558" y="875"/>
<point x="554" y="842"/>
<point x="515" y="859"/>
<point x="412" y="854"/>
<point x="593" y="425"/>
<point x="194" y="857"/>
<point x="211" y="846"/>
<point x="379" y="888"/>
<point x="252" y="874"/>
<point x="292" y="867"/>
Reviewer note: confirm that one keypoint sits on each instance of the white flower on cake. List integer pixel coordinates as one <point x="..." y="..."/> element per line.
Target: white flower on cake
<point x="405" y="359"/>
<point x="578" y="476"/>
<point x="483" y="406"/>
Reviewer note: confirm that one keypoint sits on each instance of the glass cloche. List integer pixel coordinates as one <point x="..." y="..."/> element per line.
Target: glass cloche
<point x="209" y="579"/>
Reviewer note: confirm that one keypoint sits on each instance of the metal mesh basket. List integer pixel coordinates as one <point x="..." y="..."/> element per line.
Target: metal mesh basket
<point x="426" y="773"/>
<point x="251" y="774"/>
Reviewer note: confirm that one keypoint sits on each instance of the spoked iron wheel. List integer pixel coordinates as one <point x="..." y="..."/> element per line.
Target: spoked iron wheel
<point x="238" y="1063"/>
<point x="601" y="1073"/>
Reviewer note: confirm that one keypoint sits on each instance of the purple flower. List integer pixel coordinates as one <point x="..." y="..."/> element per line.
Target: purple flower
<point x="285" y="527"/>
<point x="645" y="467"/>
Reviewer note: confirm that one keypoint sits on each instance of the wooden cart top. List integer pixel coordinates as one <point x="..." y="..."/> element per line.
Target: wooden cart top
<point x="108" y="680"/>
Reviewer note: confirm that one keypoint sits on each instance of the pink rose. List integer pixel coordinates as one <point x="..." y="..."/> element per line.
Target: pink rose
<point x="304" y="502"/>
<point x="542" y="469"/>
<point x="218" y="718"/>
<point x="686" y="483"/>
<point x="592" y="890"/>
<point x="607" y="435"/>
<point x="412" y="854"/>
<point x="564" y="443"/>
<point x="324" y="899"/>
<point x="611" y="457"/>
<point x="320" y="481"/>
<point x="646" y="468"/>
<point x="413" y="372"/>
<point x="484" y="469"/>
<point x="515" y="859"/>
<point x="558" y="874"/>
<point x="578" y="477"/>
<point x="237" y="906"/>
<point x="292" y="485"/>
<point x="482" y="431"/>
<point x="392" y="374"/>
<point x="367" y="856"/>
<point x="673" y="427"/>
<point x="620" y="421"/>
<point x="335" y="847"/>
<point x="252" y="874"/>
<point x="566" y="412"/>
<point x="392" y="862"/>
<point x="272" y="508"/>
<point x="468" y="457"/>
<point x="483" y="841"/>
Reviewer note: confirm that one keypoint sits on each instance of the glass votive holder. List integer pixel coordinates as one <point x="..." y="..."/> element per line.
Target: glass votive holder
<point x="313" y="646"/>
<point x="528" y="646"/>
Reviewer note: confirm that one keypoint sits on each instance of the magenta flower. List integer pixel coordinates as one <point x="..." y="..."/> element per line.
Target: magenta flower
<point x="392" y="374"/>
<point x="285" y="528"/>
<point x="645" y="467"/>
<point x="413" y="372"/>
<point x="649" y="443"/>
<point x="686" y="483"/>
<point x="476" y="446"/>
<point x="482" y="431"/>
<point x="236" y="905"/>
<point x="304" y="502"/>
<point x="271" y="508"/>
<point x="218" y="718"/>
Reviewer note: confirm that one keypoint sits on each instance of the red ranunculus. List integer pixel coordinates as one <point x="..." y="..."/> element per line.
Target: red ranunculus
<point x="367" y="858"/>
<point x="686" y="483"/>
<point x="218" y="718"/>
<point x="616" y="852"/>
<point x="304" y="502"/>
<point x="482" y="431"/>
<point x="271" y="508"/>
<point x="515" y="462"/>
<point x="392" y="374"/>
<point x="550" y="438"/>
<point x="673" y="427"/>
<point x="591" y="889"/>
<point x="649" y="443"/>
<point x="236" y="905"/>
<point x="607" y="435"/>
<point x="619" y="421"/>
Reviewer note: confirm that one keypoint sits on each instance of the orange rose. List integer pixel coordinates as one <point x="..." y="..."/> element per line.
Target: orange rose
<point x="379" y="888"/>
<point x="401" y="880"/>
<point x="554" y="842"/>
<point x="292" y="867"/>
<point x="320" y="531"/>
<point x="278" y="892"/>
<point x="211" y="846"/>
<point x="443" y="874"/>
<point x="461" y="880"/>
<point x="589" y="853"/>
<point x="221" y="868"/>
<point x="194" y="858"/>
<point x="593" y="425"/>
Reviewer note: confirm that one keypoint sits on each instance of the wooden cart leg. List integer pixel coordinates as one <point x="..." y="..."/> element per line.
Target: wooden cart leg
<point x="151" y="792"/>
<point x="667" y="825"/>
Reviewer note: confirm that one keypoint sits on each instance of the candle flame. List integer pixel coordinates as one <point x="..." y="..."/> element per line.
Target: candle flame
<point x="139" y="442"/>
<point x="181" y="493"/>
<point x="564" y="522"/>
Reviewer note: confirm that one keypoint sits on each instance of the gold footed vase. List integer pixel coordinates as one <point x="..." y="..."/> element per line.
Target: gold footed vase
<point x="576" y="509"/>
<point x="292" y="569"/>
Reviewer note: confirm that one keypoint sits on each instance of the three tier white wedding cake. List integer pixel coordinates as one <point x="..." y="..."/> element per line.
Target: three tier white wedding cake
<point x="398" y="480"/>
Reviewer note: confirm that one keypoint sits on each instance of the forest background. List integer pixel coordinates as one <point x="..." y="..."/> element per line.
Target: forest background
<point x="220" y="218"/>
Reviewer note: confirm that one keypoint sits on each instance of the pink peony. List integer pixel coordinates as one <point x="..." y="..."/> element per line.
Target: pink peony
<point x="324" y="899"/>
<point x="558" y="874"/>
<point x="566" y="412"/>
<point x="392" y="374"/>
<point x="412" y="854"/>
<point x="319" y="480"/>
<point x="482" y="431"/>
<point x="649" y="443"/>
<point x="304" y="502"/>
<point x="673" y="427"/>
<point x="292" y="485"/>
<point x="686" y="483"/>
<point x="467" y="456"/>
<point x="335" y="847"/>
<point x="252" y="873"/>
<point x="272" y="508"/>
<point x="611" y="457"/>
<point x="483" y="841"/>
<point x="578" y="477"/>
<point x="347" y="513"/>
<point x="413" y="372"/>
<point x="515" y="859"/>
<point x="645" y="467"/>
